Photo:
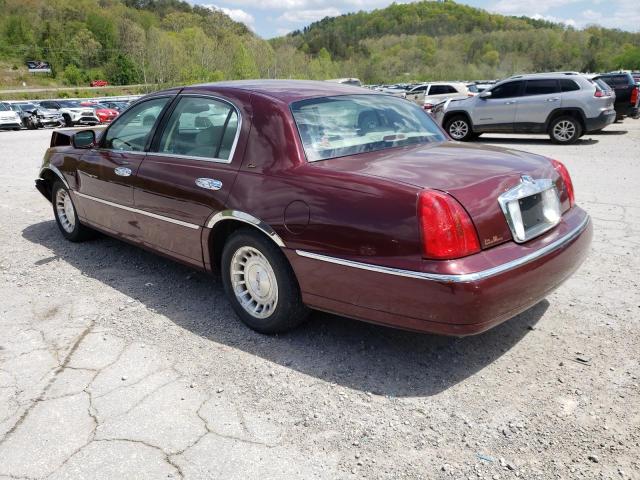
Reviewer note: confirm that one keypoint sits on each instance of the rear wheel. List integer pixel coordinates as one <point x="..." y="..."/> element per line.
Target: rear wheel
<point x="459" y="128"/>
<point x="260" y="283"/>
<point x="565" y="130"/>
<point x="66" y="215"/>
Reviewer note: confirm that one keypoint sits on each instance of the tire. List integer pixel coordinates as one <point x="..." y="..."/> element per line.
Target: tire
<point x="66" y="215"/>
<point x="263" y="291"/>
<point x="67" y="120"/>
<point x="459" y="128"/>
<point x="565" y="130"/>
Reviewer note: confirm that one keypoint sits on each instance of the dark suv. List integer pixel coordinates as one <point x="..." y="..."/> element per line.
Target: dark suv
<point x="626" y="91"/>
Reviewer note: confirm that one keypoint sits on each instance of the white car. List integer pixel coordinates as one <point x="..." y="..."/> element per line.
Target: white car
<point x="72" y="112"/>
<point x="428" y="94"/>
<point x="347" y="81"/>
<point x="8" y="118"/>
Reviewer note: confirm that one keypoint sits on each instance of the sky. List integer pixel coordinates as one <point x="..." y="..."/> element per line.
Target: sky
<point x="272" y="18"/>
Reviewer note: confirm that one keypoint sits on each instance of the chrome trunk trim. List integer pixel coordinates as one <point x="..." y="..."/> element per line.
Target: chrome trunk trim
<point x="457" y="278"/>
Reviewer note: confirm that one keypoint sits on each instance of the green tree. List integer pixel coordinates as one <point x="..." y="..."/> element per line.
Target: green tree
<point x="244" y="65"/>
<point x="122" y="71"/>
<point x="72" y="75"/>
<point x="629" y="59"/>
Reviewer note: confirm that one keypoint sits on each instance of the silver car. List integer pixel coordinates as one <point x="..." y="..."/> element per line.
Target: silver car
<point x="563" y="105"/>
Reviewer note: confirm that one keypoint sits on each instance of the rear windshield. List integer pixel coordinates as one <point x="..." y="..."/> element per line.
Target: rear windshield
<point x="344" y="125"/>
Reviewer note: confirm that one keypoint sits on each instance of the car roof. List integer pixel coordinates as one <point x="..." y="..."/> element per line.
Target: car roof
<point x="285" y="90"/>
<point x="545" y="75"/>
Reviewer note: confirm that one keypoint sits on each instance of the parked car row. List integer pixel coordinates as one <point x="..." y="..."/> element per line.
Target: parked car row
<point x="565" y="105"/>
<point x="58" y="113"/>
<point x="28" y="115"/>
<point x="427" y="94"/>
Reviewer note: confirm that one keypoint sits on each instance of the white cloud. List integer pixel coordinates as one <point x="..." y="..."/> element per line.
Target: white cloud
<point x="348" y="5"/>
<point x="527" y="7"/>
<point x="236" y="14"/>
<point x="623" y="14"/>
<point x="297" y="16"/>
<point x="282" y="31"/>
<point x="569" y="22"/>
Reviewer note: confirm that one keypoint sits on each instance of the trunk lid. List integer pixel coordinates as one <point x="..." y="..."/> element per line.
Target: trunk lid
<point x="474" y="175"/>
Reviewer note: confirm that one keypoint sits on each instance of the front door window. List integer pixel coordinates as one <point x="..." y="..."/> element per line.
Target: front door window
<point x="131" y="131"/>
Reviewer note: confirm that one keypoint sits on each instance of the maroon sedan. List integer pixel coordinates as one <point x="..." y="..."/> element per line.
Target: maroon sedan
<point x="324" y="196"/>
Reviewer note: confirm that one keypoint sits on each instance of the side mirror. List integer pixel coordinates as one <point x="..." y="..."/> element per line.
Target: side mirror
<point x="84" y="139"/>
<point x="484" y="94"/>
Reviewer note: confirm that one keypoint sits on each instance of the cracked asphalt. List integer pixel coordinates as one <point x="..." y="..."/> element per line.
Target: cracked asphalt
<point x="118" y="364"/>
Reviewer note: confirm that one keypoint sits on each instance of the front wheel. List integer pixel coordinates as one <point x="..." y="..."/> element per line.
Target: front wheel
<point x="260" y="283"/>
<point x="459" y="128"/>
<point x="66" y="215"/>
<point x="565" y="130"/>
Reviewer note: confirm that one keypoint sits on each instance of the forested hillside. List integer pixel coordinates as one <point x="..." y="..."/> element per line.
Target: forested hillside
<point x="173" y="42"/>
<point x="438" y="40"/>
<point x="130" y="41"/>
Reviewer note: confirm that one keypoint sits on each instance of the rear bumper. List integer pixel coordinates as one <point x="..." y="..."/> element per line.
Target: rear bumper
<point x="515" y="278"/>
<point x="599" y="122"/>
<point x="87" y="121"/>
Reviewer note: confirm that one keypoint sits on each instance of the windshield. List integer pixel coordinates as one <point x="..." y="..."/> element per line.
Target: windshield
<point x="4" y="107"/>
<point x="332" y="127"/>
<point x="69" y="104"/>
<point x="26" y="106"/>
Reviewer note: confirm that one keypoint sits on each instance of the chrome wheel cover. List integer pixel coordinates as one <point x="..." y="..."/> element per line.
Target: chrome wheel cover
<point x="64" y="209"/>
<point x="564" y="130"/>
<point x="254" y="282"/>
<point x="458" y="129"/>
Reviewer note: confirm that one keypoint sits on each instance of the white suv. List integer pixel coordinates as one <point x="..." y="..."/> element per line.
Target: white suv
<point x="428" y="94"/>
<point x="563" y="105"/>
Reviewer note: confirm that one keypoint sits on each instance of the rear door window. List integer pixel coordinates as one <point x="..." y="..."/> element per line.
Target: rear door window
<point x="541" y="87"/>
<point x="567" y="85"/>
<point x="200" y="127"/>
<point x="442" y="90"/>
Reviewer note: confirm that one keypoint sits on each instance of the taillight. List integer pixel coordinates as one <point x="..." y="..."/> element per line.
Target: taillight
<point x="634" y="96"/>
<point x="428" y="106"/>
<point x="447" y="230"/>
<point x="599" y="93"/>
<point x="566" y="179"/>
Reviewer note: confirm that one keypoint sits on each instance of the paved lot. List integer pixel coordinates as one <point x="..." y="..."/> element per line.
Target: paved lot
<point x="116" y="363"/>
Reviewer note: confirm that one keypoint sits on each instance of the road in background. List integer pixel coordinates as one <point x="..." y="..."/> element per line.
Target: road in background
<point x="117" y="363"/>
<point x="71" y="89"/>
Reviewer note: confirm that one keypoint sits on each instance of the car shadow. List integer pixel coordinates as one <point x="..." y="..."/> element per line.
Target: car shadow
<point x="354" y="354"/>
<point x="609" y="132"/>
<point x="531" y="141"/>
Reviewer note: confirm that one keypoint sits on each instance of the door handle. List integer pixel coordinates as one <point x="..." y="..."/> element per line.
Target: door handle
<point x="554" y="99"/>
<point x="209" y="183"/>
<point x="122" y="171"/>
<point x="510" y="102"/>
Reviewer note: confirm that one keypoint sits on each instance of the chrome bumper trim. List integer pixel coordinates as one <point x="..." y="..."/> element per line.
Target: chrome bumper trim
<point x="136" y="210"/>
<point x="457" y="278"/>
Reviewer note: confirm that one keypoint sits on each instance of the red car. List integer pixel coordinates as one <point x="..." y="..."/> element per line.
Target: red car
<point x="324" y="196"/>
<point x="99" y="83"/>
<point x="104" y="113"/>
